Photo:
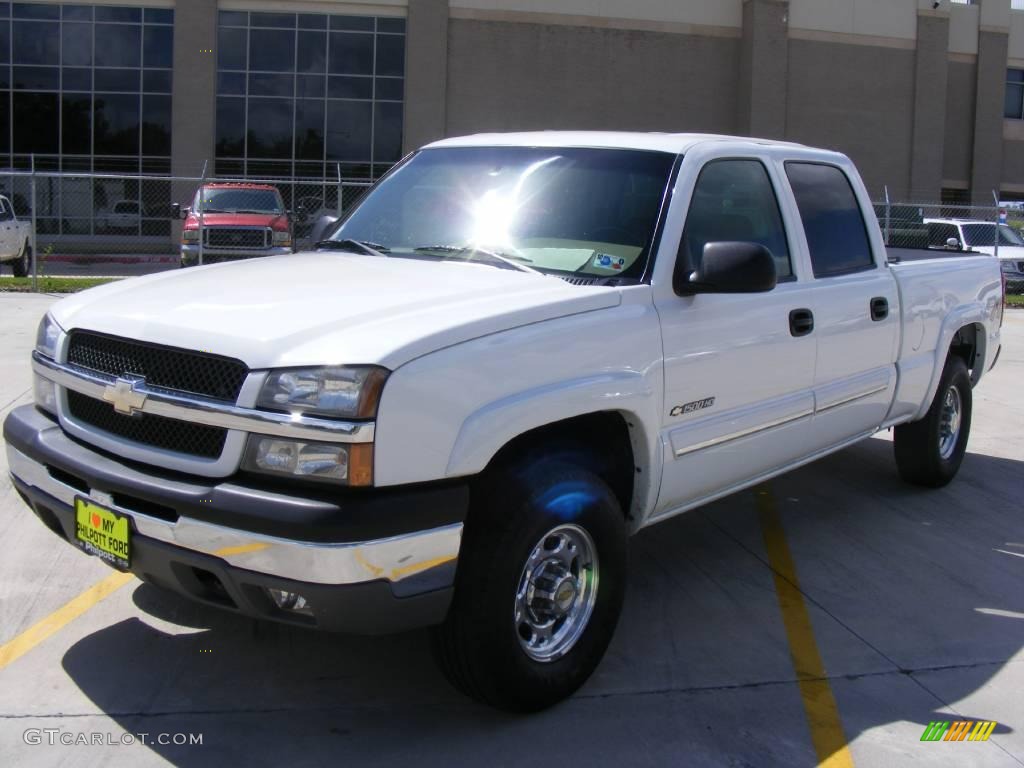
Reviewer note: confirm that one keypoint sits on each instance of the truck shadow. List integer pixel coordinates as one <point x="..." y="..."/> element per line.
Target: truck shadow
<point x="910" y="592"/>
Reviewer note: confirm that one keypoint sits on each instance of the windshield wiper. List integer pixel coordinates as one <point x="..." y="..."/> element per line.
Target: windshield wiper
<point x="212" y="210"/>
<point x="253" y="210"/>
<point x="354" y="246"/>
<point x="501" y="260"/>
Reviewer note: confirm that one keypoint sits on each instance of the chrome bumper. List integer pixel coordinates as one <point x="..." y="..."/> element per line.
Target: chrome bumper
<point x="391" y="559"/>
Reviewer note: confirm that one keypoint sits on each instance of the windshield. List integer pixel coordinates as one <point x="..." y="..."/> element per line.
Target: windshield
<point x="982" y="235"/>
<point x="589" y="211"/>
<point x="230" y="200"/>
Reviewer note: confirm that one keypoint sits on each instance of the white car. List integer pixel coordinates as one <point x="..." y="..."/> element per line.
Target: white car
<point x="980" y="236"/>
<point x="516" y="351"/>
<point x="15" y="239"/>
<point x="125" y="216"/>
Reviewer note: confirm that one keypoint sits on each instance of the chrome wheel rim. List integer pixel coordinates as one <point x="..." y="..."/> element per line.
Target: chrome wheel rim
<point x="556" y="593"/>
<point x="949" y="422"/>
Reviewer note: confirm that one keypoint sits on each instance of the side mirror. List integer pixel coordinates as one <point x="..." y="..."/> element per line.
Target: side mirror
<point x="176" y="211"/>
<point x="728" y="267"/>
<point x="953" y="244"/>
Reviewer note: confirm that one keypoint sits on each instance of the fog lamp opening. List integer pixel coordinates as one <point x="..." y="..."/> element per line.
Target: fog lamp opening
<point x="292" y="602"/>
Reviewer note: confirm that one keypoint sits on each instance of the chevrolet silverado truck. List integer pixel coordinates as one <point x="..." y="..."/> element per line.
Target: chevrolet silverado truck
<point x="237" y="221"/>
<point x="514" y="353"/>
<point x="15" y="239"/>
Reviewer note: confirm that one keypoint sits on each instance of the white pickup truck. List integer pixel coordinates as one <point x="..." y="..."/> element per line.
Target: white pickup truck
<point x="515" y="352"/>
<point x="15" y="239"/>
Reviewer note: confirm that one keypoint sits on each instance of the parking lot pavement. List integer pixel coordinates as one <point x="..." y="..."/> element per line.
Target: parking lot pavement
<point x="915" y="600"/>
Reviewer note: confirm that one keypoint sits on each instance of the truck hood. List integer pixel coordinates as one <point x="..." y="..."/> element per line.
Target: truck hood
<point x="326" y="308"/>
<point x="273" y="220"/>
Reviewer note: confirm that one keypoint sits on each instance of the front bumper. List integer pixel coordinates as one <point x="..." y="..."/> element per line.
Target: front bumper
<point x="369" y="562"/>
<point x="190" y="254"/>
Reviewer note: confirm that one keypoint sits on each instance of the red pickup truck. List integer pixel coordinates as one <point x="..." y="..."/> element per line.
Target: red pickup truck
<point x="239" y="221"/>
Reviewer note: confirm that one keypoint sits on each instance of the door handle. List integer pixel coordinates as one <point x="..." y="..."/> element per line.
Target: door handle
<point x="801" y="322"/>
<point x="879" y="308"/>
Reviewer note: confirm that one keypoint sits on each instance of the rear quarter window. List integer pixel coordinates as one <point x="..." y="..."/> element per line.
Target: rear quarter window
<point x="837" y="236"/>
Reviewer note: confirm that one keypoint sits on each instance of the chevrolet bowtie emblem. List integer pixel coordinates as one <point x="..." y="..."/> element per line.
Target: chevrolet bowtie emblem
<point x="124" y="396"/>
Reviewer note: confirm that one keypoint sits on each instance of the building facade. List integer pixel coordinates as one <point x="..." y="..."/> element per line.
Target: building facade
<point x="927" y="97"/>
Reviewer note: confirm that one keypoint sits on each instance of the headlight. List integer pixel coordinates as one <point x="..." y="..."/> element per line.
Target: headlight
<point x="1007" y="266"/>
<point x="335" y="392"/>
<point x="44" y="393"/>
<point x="282" y="238"/>
<point x="46" y="337"/>
<point x="190" y="235"/>
<point x="338" y="463"/>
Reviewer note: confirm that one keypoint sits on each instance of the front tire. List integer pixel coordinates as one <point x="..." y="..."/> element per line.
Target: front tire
<point x="539" y="587"/>
<point x="929" y="452"/>
<point x="21" y="265"/>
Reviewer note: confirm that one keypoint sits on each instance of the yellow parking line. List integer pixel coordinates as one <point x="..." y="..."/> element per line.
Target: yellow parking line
<point x="31" y="637"/>
<point x="815" y="691"/>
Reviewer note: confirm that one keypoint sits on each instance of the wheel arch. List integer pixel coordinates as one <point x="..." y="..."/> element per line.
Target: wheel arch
<point x="963" y="334"/>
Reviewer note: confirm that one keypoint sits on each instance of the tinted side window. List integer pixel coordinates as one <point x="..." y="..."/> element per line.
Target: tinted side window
<point x="734" y="200"/>
<point x="836" y="235"/>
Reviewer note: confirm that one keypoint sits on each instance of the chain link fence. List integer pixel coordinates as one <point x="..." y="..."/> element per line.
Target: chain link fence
<point x="62" y="219"/>
<point x="993" y="230"/>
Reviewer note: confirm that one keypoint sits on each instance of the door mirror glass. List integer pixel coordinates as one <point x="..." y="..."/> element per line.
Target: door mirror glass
<point x="730" y="267"/>
<point x="176" y="211"/>
<point x="953" y="244"/>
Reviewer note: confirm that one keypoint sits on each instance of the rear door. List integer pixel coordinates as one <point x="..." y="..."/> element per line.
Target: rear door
<point x="738" y="370"/>
<point x="855" y="302"/>
<point x="8" y="226"/>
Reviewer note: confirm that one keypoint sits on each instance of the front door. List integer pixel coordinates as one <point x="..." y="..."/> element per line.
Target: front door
<point x="738" y="368"/>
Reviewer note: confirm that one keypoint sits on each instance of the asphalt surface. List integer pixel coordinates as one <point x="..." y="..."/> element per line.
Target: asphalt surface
<point x="915" y="600"/>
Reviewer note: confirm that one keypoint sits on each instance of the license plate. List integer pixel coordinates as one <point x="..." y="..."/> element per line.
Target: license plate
<point x="102" y="532"/>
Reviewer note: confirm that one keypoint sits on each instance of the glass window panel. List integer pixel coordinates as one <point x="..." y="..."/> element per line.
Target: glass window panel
<point x="36" y="122"/>
<point x="118" y="45"/>
<point x="233" y="18"/>
<point x="77" y="79"/>
<point x="230" y="127"/>
<point x="158" y="16"/>
<point x="76" y="44"/>
<point x="272" y="50"/>
<point x="5" y="80"/>
<point x="36" y="79"/>
<point x="76" y="12"/>
<point x="116" y="124"/>
<point x="231" y="82"/>
<point x="5" y="42"/>
<point x="271" y="85"/>
<point x="348" y="130"/>
<point x="1015" y="75"/>
<point x="270" y="128"/>
<point x="231" y="48"/>
<point x="312" y="171"/>
<point x="355" y="171"/>
<point x="269" y="169"/>
<point x="390" y="88"/>
<point x="5" y="10"/>
<point x="351" y="54"/>
<point x="36" y="42"/>
<point x="350" y="88"/>
<point x="112" y="165"/>
<point x="157" y="81"/>
<point x="390" y="55"/>
<point x="5" y="126"/>
<point x="118" y="13"/>
<point x="117" y="80"/>
<point x="156" y="125"/>
<point x="309" y="85"/>
<point x="309" y="129"/>
<point x="229" y="167"/>
<point x="158" y="46"/>
<point x="361" y="23"/>
<point x="76" y="119"/>
<point x="312" y="52"/>
<point x="76" y="164"/>
<point x="35" y="11"/>
<point x="285" y="20"/>
<point x="1014" y="104"/>
<point x="312" y="21"/>
<point x="387" y="132"/>
<point x="390" y="25"/>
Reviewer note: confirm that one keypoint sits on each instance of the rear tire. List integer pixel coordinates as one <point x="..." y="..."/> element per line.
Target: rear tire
<point x="929" y="452"/>
<point x="21" y="265"/>
<point x="530" y="619"/>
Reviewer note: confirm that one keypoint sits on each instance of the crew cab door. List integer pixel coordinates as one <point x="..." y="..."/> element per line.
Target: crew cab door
<point x="855" y="302"/>
<point x="8" y="229"/>
<point x="739" y="368"/>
